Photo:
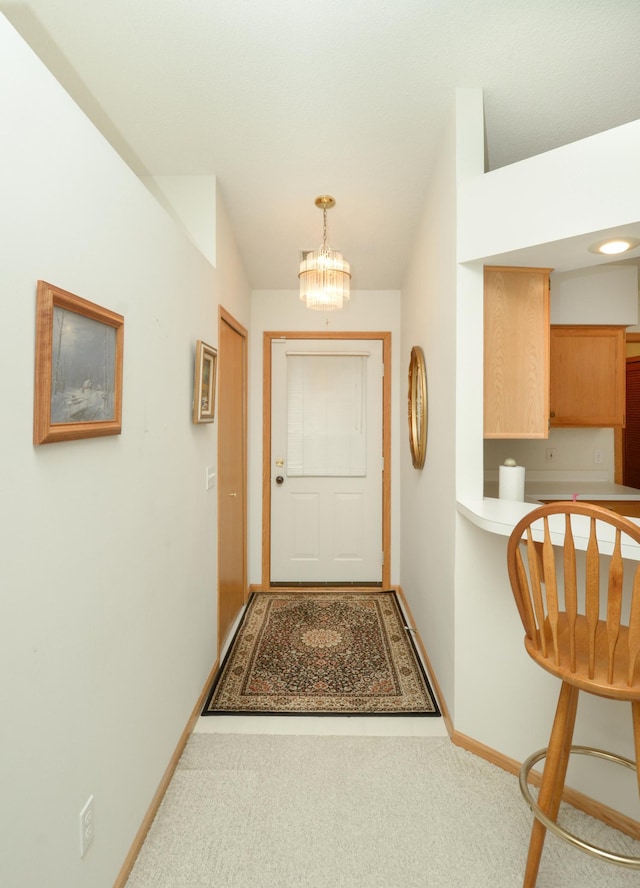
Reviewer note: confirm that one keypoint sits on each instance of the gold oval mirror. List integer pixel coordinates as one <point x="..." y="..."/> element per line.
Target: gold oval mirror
<point x="417" y="402"/>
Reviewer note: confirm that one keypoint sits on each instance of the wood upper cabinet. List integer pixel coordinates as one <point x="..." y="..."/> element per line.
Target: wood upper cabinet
<point x="516" y="352"/>
<point x="587" y="376"/>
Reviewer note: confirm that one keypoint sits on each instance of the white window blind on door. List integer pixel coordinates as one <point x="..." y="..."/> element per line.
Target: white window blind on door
<point x="326" y="415"/>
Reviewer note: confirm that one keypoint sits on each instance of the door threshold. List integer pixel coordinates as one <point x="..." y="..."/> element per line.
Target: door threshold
<point x="327" y="585"/>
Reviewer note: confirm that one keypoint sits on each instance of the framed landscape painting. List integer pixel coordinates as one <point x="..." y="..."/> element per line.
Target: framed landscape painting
<point x="78" y="368"/>
<point x="204" y="385"/>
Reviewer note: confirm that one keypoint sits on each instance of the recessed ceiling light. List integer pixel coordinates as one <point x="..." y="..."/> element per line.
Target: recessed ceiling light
<point x="614" y="245"/>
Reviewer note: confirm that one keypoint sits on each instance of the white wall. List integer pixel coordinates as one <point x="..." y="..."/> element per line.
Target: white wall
<point x="604" y="294"/>
<point x="281" y="310"/>
<point x="587" y="186"/>
<point x="428" y="495"/>
<point x="501" y="698"/>
<point x="574" y="452"/>
<point x="107" y="549"/>
<point x="191" y="200"/>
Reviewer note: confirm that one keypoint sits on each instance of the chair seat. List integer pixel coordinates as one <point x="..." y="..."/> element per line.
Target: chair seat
<point x="616" y="689"/>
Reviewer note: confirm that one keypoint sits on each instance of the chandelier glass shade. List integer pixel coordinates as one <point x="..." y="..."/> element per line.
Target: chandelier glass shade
<point x="324" y="274"/>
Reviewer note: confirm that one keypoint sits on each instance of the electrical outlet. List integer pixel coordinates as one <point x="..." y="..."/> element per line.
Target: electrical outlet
<point x="87" y="826"/>
<point x="597" y="456"/>
<point x="551" y="454"/>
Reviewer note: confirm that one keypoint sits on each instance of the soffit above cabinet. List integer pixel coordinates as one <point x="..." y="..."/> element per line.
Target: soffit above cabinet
<point x="597" y="295"/>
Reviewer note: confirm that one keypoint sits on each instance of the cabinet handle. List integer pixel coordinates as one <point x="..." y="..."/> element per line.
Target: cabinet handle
<point x="553" y="413"/>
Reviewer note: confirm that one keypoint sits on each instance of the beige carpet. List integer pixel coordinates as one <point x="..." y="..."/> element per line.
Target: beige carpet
<point x="355" y="812"/>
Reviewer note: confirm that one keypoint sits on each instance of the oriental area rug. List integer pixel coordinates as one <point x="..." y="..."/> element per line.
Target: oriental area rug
<point x="332" y="652"/>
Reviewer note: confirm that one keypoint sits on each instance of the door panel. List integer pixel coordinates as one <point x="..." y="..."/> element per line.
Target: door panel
<point x="326" y="461"/>
<point x="232" y="497"/>
<point x="348" y="510"/>
<point x="305" y="525"/>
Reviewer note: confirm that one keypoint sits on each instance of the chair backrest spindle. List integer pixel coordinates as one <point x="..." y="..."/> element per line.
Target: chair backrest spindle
<point x="551" y="587"/>
<point x="634" y="628"/>
<point x="524" y="601"/>
<point x="536" y="587"/>
<point x="614" y="603"/>
<point x="592" y="594"/>
<point x="570" y="589"/>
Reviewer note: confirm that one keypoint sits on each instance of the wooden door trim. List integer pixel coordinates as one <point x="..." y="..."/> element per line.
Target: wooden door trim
<point x="385" y="338"/>
<point x="226" y="317"/>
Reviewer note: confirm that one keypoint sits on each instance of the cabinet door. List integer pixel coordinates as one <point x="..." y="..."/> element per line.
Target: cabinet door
<point x="516" y="352"/>
<point x="631" y="437"/>
<point x="587" y="376"/>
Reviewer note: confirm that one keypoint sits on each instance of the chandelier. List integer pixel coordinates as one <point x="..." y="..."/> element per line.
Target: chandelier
<point x="324" y="273"/>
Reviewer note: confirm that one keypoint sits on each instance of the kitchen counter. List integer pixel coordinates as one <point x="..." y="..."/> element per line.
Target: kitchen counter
<point x="593" y="491"/>
<point x="537" y="491"/>
<point x="500" y="516"/>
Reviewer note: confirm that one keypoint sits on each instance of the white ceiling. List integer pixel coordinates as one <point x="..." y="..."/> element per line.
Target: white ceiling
<point x="284" y="100"/>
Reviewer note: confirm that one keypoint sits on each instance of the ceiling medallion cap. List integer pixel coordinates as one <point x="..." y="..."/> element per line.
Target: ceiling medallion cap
<point x="325" y="202"/>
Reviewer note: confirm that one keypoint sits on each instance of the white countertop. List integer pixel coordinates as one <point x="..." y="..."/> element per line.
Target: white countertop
<point x="500" y="516"/>
<point x="494" y="515"/>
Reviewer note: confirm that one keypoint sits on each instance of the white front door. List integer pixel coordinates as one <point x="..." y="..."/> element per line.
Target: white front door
<point x="326" y="461"/>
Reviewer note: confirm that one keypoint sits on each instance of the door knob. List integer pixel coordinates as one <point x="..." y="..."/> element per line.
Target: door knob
<point x="279" y="479"/>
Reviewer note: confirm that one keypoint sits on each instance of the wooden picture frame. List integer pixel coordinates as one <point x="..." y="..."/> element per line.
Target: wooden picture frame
<point x="204" y="384"/>
<point x="78" y="368"/>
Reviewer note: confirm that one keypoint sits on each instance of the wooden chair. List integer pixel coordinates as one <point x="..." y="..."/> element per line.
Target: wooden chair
<point x="584" y="632"/>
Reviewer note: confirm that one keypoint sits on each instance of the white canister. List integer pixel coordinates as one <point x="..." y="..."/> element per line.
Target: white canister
<point x="511" y="482"/>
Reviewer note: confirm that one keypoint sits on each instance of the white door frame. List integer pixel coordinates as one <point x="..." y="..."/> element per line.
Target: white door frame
<point x="385" y="337"/>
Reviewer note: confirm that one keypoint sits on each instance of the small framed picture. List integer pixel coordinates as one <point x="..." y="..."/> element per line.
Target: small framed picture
<point x="204" y="386"/>
<point x="78" y="368"/>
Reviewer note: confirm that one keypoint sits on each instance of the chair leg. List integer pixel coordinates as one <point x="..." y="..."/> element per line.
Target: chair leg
<point x="635" y="714"/>
<point x="553" y="776"/>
